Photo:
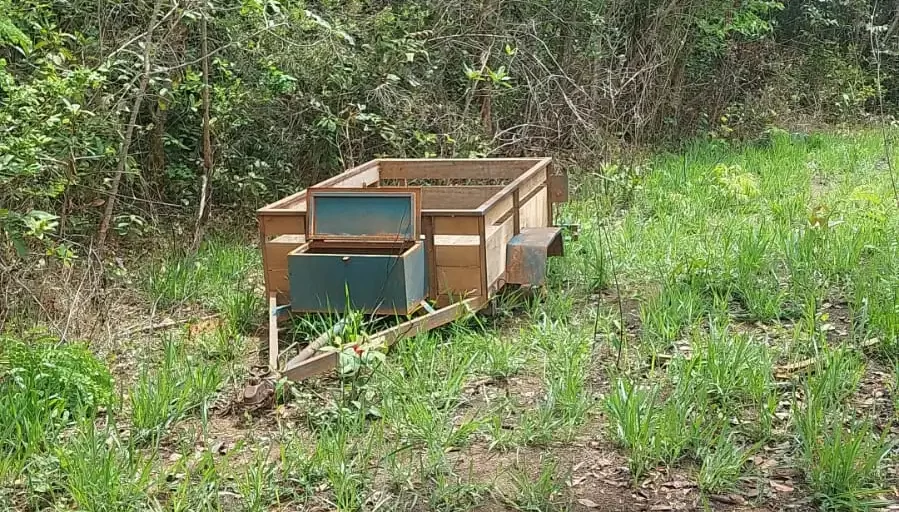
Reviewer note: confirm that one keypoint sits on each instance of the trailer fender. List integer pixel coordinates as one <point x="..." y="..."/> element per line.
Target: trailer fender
<point x="527" y="253"/>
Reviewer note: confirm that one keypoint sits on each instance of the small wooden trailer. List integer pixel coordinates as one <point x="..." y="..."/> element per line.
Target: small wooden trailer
<point x="424" y="240"/>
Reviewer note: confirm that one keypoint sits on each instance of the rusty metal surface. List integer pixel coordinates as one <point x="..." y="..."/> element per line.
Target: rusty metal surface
<point x="558" y="187"/>
<point x="527" y="252"/>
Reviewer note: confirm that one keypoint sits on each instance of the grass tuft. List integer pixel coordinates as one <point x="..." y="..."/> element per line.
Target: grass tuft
<point x="162" y="397"/>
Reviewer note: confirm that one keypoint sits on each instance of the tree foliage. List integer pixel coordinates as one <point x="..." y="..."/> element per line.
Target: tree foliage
<point x="302" y="89"/>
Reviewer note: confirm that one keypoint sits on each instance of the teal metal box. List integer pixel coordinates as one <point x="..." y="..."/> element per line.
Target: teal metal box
<point x="373" y="281"/>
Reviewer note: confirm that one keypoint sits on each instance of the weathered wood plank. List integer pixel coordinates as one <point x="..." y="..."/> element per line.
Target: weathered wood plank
<point x="500" y="210"/>
<point x="497" y="241"/>
<point x="459" y="281"/>
<point x="463" y="225"/>
<point x="361" y="176"/>
<point x="533" y="211"/>
<point x="326" y="361"/>
<point x="433" y="168"/>
<point x="456" y="198"/>
<point x="316" y="365"/>
<point x="482" y="232"/>
<point x="273" y="348"/>
<point x="277" y="225"/>
<point x="457" y="254"/>
<point x="524" y="183"/>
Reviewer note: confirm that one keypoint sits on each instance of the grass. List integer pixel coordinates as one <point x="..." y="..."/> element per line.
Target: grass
<point x="537" y="494"/>
<point x="162" y="397"/>
<point x="729" y="263"/>
<point x="218" y="277"/>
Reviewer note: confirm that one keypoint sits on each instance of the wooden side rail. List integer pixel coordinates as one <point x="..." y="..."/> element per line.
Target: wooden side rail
<point x="456" y="168"/>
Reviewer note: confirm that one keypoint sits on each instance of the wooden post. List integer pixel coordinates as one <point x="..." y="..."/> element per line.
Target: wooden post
<point x="516" y="217"/>
<point x="273" y="348"/>
<point x="427" y="227"/>
<point x="549" y="199"/>
<point x="482" y="233"/>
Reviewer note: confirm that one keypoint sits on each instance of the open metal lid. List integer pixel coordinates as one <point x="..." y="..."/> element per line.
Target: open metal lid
<point x="375" y="214"/>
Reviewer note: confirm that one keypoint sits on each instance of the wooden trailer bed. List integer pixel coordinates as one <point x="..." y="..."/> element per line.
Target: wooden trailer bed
<point x="468" y="214"/>
<point x="468" y="224"/>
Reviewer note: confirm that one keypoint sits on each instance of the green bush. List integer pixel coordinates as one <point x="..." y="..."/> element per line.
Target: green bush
<point x="65" y="374"/>
<point x="45" y="385"/>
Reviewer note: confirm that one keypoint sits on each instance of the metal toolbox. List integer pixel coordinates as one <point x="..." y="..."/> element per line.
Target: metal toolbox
<point x="363" y="250"/>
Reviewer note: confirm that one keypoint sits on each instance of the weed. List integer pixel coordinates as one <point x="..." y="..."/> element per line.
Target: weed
<point x="630" y="411"/>
<point x="502" y="358"/>
<point x="102" y="474"/>
<point x="162" y="397"/>
<point x="666" y="314"/>
<point x="44" y="387"/>
<point x="836" y="376"/>
<point x="344" y="465"/>
<point x="67" y="374"/>
<point x="722" y="464"/>
<point x="894" y="388"/>
<point x="540" y="494"/>
<point x="733" y="367"/>
<point x="213" y="276"/>
<point x="499" y="435"/>
<point x="756" y="283"/>
<point x="453" y="494"/>
<point x="221" y="344"/>
<point x="254" y="484"/>
<point x="199" y="484"/>
<point x="242" y="309"/>
<point x="845" y="466"/>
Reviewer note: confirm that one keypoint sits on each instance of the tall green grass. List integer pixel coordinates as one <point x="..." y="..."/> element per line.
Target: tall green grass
<point x="222" y="276"/>
<point x="45" y="387"/>
<point x="180" y="386"/>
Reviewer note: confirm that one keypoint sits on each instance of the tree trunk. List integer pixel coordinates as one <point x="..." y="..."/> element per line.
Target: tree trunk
<point x="206" y="179"/>
<point x="129" y="133"/>
<point x="156" y="158"/>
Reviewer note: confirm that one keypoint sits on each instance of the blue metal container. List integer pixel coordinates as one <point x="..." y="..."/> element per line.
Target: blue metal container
<point x="371" y="283"/>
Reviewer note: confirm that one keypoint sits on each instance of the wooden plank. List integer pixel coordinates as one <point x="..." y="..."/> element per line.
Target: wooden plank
<point x="430" y="321"/>
<point x="316" y="365"/>
<point x="500" y="210"/>
<point x="458" y="281"/>
<point x="427" y="228"/>
<point x="363" y="175"/>
<point x="533" y="212"/>
<point x="444" y="225"/>
<point x="273" y="348"/>
<point x="276" y="281"/>
<point x="326" y="361"/>
<point x="526" y="182"/>
<point x="516" y="212"/>
<point x="473" y="168"/>
<point x="457" y="255"/>
<point x="277" y="225"/>
<point x="497" y="242"/>
<point x="276" y="250"/>
<point x="528" y="187"/>
<point x="456" y="198"/>
<point x="482" y="232"/>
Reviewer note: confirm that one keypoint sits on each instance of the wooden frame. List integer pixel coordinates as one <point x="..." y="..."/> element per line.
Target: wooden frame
<point x="466" y="212"/>
<point x="412" y="193"/>
<point x="529" y="188"/>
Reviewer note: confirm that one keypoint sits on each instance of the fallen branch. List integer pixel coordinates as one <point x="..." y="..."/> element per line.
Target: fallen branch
<point x="165" y="325"/>
<point x="787" y="371"/>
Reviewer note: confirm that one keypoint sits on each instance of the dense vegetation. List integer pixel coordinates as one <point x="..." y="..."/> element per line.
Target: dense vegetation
<point x="107" y="125"/>
<point x="723" y="334"/>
